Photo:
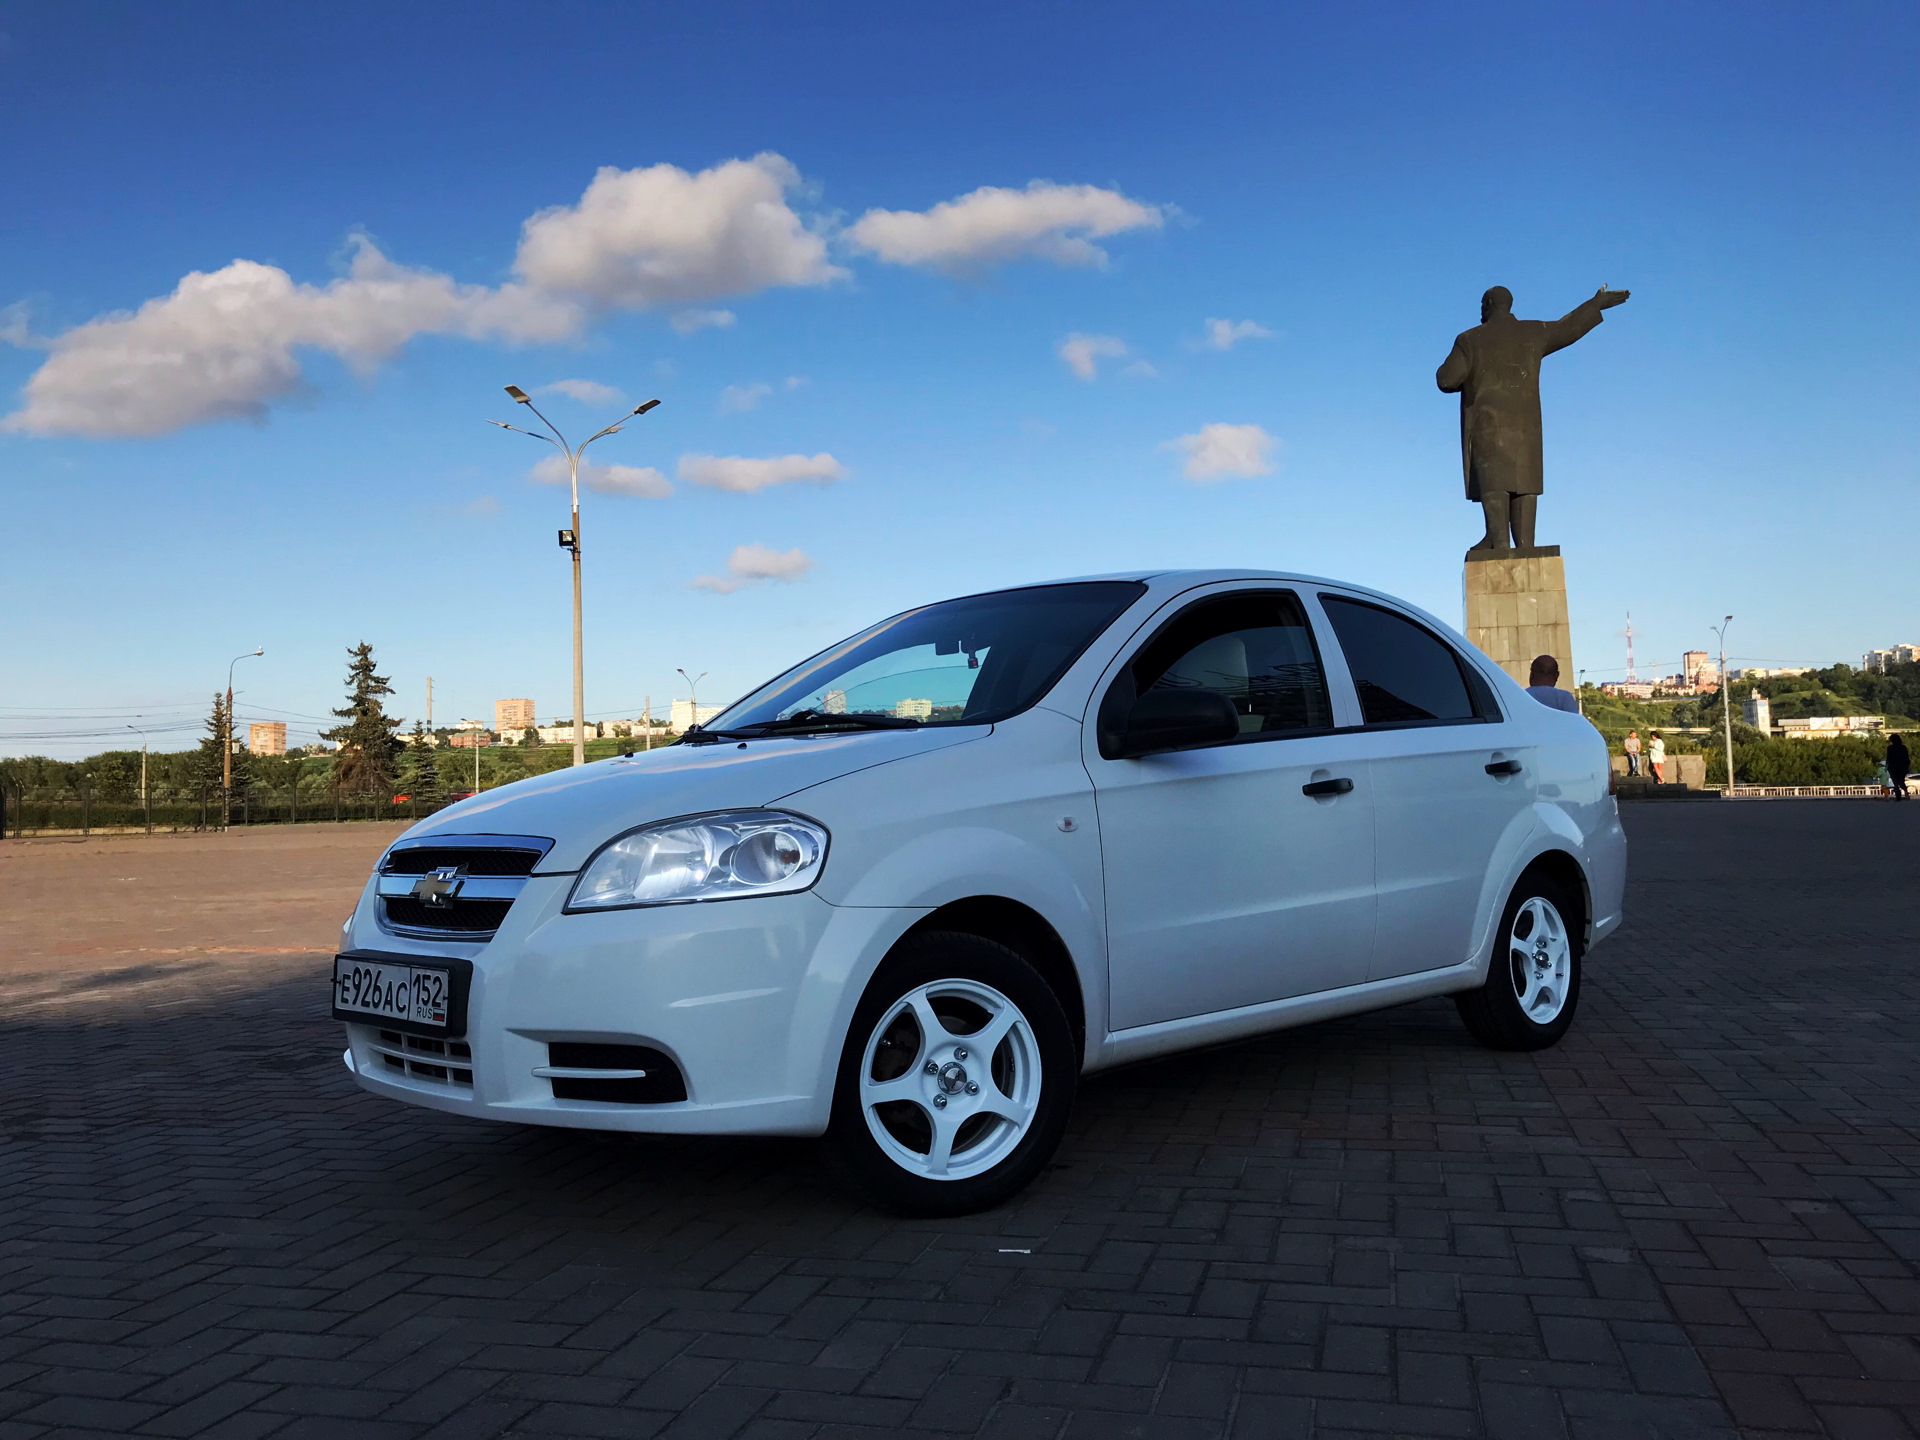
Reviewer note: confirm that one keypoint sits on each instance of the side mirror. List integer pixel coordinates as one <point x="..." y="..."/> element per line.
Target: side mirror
<point x="1177" y="719"/>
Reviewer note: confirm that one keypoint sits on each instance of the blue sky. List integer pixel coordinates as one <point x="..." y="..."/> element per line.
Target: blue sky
<point x="306" y="466"/>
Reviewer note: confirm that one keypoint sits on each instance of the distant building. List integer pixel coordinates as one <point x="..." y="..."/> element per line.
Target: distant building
<point x="834" y="703"/>
<point x="470" y="740"/>
<point x="685" y="715"/>
<point x="1631" y="689"/>
<point x="1822" y="727"/>
<point x="913" y="709"/>
<point x="1697" y="669"/>
<point x="1881" y="659"/>
<point x="1757" y="711"/>
<point x="560" y="732"/>
<point x="267" y="737"/>
<point x="512" y="714"/>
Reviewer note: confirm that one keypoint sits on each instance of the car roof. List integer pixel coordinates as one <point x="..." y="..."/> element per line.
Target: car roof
<point x="1173" y="581"/>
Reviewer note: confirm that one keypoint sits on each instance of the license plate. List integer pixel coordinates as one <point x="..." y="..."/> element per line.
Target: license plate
<point x="379" y="988"/>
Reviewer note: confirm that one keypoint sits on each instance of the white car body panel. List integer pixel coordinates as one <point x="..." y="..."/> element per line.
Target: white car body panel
<point x="752" y="997"/>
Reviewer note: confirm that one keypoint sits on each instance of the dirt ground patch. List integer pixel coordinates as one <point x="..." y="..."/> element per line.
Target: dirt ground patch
<point x="76" y="906"/>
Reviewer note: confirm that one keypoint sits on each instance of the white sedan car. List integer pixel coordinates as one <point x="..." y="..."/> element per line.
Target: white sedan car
<point x="907" y="893"/>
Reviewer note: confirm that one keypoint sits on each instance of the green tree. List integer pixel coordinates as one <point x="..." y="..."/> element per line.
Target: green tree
<point x="418" y="775"/>
<point x="368" y="747"/>
<point x="208" y="771"/>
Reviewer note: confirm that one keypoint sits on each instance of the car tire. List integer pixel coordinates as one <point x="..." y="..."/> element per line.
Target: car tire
<point x="924" y="1123"/>
<point x="1533" y="979"/>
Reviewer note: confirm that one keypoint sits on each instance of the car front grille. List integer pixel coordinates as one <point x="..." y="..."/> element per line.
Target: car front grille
<point x="420" y="1057"/>
<point x="471" y="917"/>
<point x="455" y="886"/>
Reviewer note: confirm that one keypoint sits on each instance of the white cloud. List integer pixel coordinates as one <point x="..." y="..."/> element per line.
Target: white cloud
<point x="587" y="392"/>
<point x="1225" y="334"/>
<point x="744" y="475"/>
<point x="13" y="327"/>
<point x="1081" y="353"/>
<point x="736" y="399"/>
<point x="1140" y="370"/>
<point x="642" y="481"/>
<point x="225" y="344"/>
<point x="222" y="345"/>
<point x="993" y="223"/>
<point x="688" y="321"/>
<point x="794" y="382"/>
<point x="1216" y="452"/>
<point x="750" y="564"/>
<point x="661" y="236"/>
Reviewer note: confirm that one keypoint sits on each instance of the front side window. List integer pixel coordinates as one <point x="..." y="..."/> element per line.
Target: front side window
<point x="961" y="662"/>
<point x="1255" y="648"/>
<point x="1404" y="673"/>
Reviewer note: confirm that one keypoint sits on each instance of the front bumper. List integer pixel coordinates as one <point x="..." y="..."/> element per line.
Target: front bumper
<point x="749" y="998"/>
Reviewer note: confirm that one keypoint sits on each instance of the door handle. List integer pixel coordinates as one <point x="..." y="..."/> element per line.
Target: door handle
<point x="1504" y="767"/>
<point x="1327" y="787"/>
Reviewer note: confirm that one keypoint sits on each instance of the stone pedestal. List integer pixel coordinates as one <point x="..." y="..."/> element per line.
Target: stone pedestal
<point x="1516" y="608"/>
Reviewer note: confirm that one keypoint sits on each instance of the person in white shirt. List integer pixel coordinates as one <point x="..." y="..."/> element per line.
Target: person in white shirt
<point x="1543" y="682"/>
<point x="1632" y="746"/>
<point x="1657" y="757"/>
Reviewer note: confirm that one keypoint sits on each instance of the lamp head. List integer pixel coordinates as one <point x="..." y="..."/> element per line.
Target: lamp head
<point x="518" y="394"/>
<point x="644" y="406"/>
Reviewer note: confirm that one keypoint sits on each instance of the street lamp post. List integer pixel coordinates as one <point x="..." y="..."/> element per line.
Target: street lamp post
<point x="1726" y="705"/>
<point x="226" y="748"/>
<point x="145" y="809"/>
<point x="570" y="539"/>
<point x="693" y="696"/>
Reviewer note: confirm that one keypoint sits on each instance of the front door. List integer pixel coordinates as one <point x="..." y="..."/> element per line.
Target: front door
<point x="1242" y="872"/>
<point x="1452" y="778"/>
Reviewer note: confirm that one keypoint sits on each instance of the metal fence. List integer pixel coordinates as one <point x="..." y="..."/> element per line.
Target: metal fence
<point x="79" y="812"/>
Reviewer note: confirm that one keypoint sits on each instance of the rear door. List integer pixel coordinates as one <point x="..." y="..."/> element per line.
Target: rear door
<point x="1227" y="883"/>
<point x="1452" y="777"/>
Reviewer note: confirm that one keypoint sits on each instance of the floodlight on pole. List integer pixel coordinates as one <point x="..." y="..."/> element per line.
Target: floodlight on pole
<point x="693" y="696"/>
<point x="570" y="538"/>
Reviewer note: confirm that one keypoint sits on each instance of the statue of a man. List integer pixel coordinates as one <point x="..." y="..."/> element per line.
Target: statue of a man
<point x="1496" y="368"/>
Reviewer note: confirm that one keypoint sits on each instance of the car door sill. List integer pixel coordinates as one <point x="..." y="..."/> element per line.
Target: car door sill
<point x="1142" y="1042"/>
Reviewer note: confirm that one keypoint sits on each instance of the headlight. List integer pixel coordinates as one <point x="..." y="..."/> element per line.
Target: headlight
<point x="727" y="856"/>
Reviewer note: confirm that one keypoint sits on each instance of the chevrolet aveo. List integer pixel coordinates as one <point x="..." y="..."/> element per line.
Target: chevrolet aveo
<point x="907" y="893"/>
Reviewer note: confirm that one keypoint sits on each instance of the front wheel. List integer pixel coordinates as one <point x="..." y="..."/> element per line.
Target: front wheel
<point x="1533" y="981"/>
<point x="955" y="1081"/>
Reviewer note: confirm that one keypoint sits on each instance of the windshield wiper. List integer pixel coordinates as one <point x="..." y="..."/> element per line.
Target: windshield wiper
<point x="820" y="719"/>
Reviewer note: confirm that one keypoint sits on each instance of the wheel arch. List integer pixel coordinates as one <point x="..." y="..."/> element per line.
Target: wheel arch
<point x="1027" y="933"/>
<point x="1564" y="869"/>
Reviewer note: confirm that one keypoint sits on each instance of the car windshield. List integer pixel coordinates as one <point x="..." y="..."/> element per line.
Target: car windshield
<point x="961" y="662"/>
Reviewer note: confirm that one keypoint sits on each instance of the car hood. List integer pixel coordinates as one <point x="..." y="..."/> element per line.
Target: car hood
<point x="583" y="807"/>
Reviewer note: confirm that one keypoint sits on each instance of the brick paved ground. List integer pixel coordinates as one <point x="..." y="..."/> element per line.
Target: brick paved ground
<point x="1699" y="1216"/>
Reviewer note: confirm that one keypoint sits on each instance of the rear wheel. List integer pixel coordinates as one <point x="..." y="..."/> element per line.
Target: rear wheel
<point x="1533" y="981"/>
<point x="955" y="1081"/>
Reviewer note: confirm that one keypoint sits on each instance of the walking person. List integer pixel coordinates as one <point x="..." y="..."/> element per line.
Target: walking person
<point x="1897" y="766"/>
<point x="1632" y="747"/>
<point x="1657" y="756"/>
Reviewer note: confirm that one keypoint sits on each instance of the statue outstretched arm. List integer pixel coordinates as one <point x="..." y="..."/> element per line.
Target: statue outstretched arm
<point x="1582" y="318"/>
<point x="1454" y="370"/>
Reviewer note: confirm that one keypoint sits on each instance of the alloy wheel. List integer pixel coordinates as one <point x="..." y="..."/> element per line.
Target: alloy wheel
<point x="1540" y="960"/>
<point x="950" y="1079"/>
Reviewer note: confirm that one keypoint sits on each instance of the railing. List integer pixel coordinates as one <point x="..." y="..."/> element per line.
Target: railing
<point x="1804" y="792"/>
<point x="79" y="812"/>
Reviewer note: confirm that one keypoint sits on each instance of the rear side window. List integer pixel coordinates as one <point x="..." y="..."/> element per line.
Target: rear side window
<point x="1404" y="673"/>
<point x="1255" y="648"/>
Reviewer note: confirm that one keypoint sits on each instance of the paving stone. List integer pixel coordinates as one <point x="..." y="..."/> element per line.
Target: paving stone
<point x="1695" y="1217"/>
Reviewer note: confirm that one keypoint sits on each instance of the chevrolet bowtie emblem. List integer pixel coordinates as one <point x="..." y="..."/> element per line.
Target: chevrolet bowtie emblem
<point x="437" y="888"/>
